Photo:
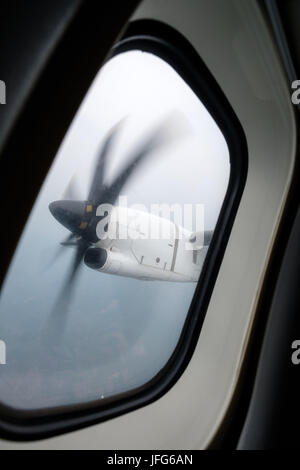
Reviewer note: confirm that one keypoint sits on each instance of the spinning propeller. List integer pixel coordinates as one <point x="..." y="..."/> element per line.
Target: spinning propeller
<point x="79" y="216"/>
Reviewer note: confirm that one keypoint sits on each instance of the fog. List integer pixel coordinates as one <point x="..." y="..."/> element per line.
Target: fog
<point x="120" y="332"/>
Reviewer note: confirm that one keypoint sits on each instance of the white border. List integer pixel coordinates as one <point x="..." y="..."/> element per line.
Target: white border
<point x="234" y="42"/>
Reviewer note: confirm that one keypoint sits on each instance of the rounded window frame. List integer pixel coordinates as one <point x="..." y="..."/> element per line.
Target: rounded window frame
<point x="169" y="45"/>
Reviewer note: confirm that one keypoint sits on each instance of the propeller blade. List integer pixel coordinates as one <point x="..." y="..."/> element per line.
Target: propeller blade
<point x="156" y="140"/>
<point x="70" y="240"/>
<point x="57" y="321"/>
<point x="71" y="192"/>
<point x="73" y="242"/>
<point x="97" y="187"/>
<point x="64" y="296"/>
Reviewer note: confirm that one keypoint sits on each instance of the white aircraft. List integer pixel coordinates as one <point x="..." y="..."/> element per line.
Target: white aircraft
<point x="177" y="257"/>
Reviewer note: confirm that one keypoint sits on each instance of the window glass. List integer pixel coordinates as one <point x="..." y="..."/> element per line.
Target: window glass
<point x="101" y="282"/>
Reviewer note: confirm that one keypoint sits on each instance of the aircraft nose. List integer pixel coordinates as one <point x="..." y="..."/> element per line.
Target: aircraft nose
<point x="71" y="214"/>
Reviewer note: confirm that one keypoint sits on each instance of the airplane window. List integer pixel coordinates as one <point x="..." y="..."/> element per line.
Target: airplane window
<point x="99" y="288"/>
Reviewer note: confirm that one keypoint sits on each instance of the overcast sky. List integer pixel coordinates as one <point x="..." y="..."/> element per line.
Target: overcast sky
<point x="120" y="331"/>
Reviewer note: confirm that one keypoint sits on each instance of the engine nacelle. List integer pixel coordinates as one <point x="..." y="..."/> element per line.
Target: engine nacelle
<point x="101" y="259"/>
<point x="95" y="258"/>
